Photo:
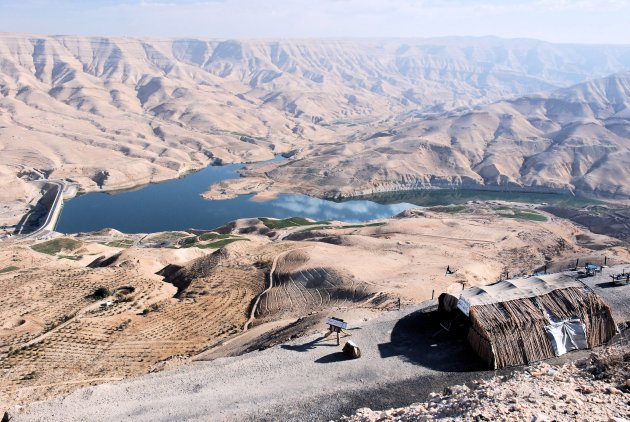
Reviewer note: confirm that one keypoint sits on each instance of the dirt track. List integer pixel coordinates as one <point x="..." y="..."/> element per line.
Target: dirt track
<point x="254" y="310"/>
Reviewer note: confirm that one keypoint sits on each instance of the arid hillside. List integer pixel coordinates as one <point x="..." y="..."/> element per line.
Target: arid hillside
<point x="119" y="112"/>
<point x="88" y="309"/>
<point x="575" y="139"/>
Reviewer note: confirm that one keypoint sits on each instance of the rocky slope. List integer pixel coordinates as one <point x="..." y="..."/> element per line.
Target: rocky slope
<point x="575" y="139"/>
<point x="595" y="389"/>
<point x="118" y="112"/>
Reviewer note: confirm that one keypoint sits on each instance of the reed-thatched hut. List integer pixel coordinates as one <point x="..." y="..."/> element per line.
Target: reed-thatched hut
<point x="519" y="321"/>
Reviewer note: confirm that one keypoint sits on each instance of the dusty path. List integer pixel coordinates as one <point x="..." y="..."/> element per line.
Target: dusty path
<point x="85" y="381"/>
<point x="79" y="313"/>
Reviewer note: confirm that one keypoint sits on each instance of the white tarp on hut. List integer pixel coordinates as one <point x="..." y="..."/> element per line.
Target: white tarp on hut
<point x="567" y="335"/>
<point x="519" y="288"/>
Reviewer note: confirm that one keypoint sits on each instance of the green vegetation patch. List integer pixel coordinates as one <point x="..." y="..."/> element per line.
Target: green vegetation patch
<point x="525" y="215"/>
<point x="188" y="242"/>
<point x="8" y="269"/>
<point x="124" y="243"/>
<point x="289" y="222"/>
<point x="451" y="209"/>
<point x="349" y="226"/>
<point x="357" y="226"/>
<point x="220" y="243"/>
<point x="213" y="236"/>
<point x="71" y="257"/>
<point x="101" y="293"/>
<point x="313" y="228"/>
<point x="53" y="247"/>
<point x="165" y="236"/>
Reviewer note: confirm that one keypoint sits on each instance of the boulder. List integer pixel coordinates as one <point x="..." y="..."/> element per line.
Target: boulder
<point x="352" y="350"/>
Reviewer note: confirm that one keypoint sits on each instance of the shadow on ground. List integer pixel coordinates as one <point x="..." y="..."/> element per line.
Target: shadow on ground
<point x="320" y="341"/>
<point x="333" y="357"/>
<point x="425" y="338"/>
<point x="607" y="285"/>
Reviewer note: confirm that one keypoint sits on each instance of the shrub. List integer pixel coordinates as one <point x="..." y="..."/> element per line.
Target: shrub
<point x="55" y="246"/>
<point x="101" y="293"/>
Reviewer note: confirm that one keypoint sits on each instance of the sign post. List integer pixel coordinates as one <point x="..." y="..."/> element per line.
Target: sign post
<point x="336" y="325"/>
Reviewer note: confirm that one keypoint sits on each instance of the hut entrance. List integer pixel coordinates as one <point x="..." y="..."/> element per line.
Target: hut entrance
<point x="567" y="335"/>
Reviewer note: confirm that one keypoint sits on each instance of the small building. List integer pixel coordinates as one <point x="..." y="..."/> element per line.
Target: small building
<point x="515" y="322"/>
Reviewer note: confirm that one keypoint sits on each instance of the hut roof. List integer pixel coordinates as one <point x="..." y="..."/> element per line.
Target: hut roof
<point x="520" y="288"/>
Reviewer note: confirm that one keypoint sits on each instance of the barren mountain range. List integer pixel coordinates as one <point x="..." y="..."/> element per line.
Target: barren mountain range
<point x="118" y="112"/>
<point x="575" y="139"/>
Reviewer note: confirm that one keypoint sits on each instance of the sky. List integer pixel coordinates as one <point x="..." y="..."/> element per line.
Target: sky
<point x="567" y="21"/>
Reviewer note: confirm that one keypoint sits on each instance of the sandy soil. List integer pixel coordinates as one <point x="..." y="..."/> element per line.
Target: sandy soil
<point x="250" y="385"/>
<point x="406" y="358"/>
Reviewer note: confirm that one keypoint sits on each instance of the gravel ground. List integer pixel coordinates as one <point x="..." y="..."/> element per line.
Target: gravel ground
<point x="596" y="389"/>
<point x="618" y="297"/>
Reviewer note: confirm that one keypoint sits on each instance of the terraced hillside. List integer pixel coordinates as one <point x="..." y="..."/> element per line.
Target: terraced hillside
<point x="62" y="338"/>
<point x="299" y="288"/>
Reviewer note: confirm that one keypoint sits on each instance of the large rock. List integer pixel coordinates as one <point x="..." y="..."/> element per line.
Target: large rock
<point x="352" y="350"/>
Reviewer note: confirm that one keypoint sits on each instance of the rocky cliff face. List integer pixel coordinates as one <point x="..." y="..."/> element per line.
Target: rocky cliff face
<point x="596" y="389"/>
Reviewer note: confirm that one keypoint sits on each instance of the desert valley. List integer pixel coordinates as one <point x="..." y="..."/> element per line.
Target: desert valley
<point x="179" y="218"/>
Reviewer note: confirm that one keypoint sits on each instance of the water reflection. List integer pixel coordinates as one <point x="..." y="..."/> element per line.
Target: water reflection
<point x="178" y="205"/>
<point x="351" y="211"/>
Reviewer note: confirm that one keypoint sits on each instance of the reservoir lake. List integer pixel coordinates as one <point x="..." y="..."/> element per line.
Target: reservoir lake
<point x="178" y="205"/>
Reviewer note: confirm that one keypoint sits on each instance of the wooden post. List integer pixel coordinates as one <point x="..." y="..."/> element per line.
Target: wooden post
<point x="432" y="294"/>
<point x="337" y="338"/>
<point x="545" y="268"/>
<point x="605" y="260"/>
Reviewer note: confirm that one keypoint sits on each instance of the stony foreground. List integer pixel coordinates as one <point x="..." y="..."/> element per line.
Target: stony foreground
<point x="594" y="389"/>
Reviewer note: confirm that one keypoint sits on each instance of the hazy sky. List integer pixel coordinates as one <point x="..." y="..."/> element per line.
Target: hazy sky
<point x="584" y="21"/>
